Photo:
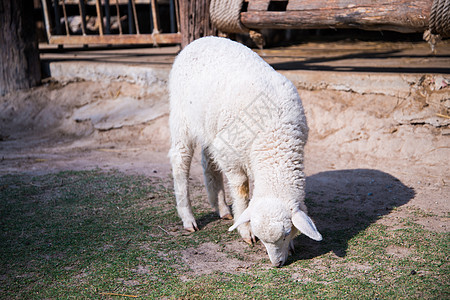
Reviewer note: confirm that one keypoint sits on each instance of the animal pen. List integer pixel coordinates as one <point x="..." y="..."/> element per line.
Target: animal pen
<point x="139" y="21"/>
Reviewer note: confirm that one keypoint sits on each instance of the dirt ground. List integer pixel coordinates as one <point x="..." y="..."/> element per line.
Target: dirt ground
<point x="366" y="151"/>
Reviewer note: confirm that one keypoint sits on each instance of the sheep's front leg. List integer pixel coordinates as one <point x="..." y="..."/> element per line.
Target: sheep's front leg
<point x="181" y="157"/>
<point x="239" y="188"/>
<point x="214" y="186"/>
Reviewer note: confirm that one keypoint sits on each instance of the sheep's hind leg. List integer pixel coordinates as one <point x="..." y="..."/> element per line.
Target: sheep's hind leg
<point x="181" y="157"/>
<point x="240" y="192"/>
<point x="214" y="186"/>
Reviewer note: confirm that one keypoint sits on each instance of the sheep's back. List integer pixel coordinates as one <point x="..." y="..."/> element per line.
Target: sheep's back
<point x="215" y="83"/>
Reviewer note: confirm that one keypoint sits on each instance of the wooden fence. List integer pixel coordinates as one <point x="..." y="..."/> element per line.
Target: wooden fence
<point x="112" y="22"/>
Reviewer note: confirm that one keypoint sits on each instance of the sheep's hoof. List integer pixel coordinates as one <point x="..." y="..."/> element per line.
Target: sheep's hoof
<point x="227" y="217"/>
<point x="191" y="229"/>
<point x="248" y="241"/>
<point x="251" y="241"/>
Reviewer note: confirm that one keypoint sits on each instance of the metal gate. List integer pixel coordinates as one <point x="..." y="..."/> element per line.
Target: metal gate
<point x="112" y="22"/>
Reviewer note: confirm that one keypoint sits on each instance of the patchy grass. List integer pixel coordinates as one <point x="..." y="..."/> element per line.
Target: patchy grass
<point x="93" y="234"/>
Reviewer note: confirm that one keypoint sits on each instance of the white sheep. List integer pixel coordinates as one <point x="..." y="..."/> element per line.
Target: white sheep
<point x="250" y="123"/>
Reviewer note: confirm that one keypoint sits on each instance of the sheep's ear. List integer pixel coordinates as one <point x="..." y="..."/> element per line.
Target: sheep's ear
<point x="303" y="223"/>
<point x="243" y="218"/>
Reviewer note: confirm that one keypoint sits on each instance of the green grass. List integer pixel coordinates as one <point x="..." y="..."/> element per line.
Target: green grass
<point x="86" y="234"/>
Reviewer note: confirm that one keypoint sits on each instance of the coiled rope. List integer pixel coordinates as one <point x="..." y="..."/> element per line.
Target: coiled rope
<point x="225" y="15"/>
<point x="438" y="24"/>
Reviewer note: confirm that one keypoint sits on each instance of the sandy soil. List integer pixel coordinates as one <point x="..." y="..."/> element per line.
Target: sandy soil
<point x="366" y="151"/>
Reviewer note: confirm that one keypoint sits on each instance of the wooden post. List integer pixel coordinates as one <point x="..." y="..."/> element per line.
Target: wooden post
<point x="194" y="20"/>
<point x="19" y="55"/>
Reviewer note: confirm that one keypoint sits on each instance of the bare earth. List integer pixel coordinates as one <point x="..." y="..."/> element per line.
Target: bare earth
<point x="384" y="154"/>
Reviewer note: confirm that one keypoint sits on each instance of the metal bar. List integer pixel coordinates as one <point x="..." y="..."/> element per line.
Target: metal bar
<point x="151" y="16"/>
<point x="118" y="17"/>
<point x="130" y="18"/>
<point x="107" y="17"/>
<point x="167" y="38"/>
<point x="99" y="16"/>
<point x="155" y="17"/>
<point x="66" y="21"/>
<point x="46" y="19"/>
<point x="172" y="15"/>
<point x="82" y="10"/>
<point x="57" y="17"/>
<point x="136" y="23"/>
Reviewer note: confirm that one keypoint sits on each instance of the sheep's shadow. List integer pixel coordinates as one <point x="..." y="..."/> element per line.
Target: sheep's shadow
<point x="206" y="219"/>
<point x="345" y="202"/>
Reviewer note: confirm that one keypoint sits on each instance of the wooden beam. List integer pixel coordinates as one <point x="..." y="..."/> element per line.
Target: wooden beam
<point x="401" y="15"/>
<point x="168" y="38"/>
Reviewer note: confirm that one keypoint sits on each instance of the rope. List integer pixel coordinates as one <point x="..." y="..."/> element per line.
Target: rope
<point x="440" y="18"/>
<point x="439" y="23"/>
<point x="225" y="15"/>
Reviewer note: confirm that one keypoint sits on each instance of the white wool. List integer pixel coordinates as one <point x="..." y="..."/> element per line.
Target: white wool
<point x="250" y="123"/>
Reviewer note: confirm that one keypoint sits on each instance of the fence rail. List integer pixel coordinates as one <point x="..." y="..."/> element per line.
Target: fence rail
<point x="113" y="22"/>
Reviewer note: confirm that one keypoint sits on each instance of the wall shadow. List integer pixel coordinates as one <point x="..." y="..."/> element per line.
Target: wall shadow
<point x="319" y="63"/>
<point x="345" y="202"/>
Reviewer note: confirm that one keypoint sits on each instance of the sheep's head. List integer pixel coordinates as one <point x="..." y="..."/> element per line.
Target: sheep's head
<point x="276" y="225"/>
